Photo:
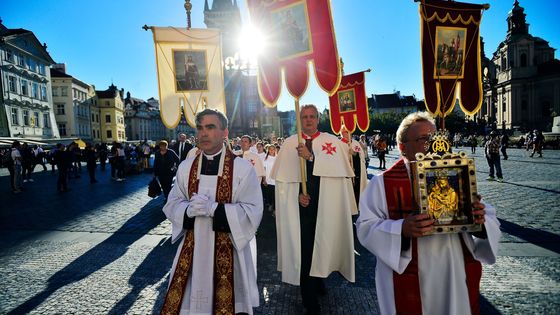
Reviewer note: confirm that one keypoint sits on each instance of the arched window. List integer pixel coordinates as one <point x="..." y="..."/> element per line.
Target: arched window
<point x="504" y="63"/>
<point x="523" y="60"/>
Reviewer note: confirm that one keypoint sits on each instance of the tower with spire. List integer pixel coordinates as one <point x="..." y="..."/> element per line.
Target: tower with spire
<point x="525" y="90"/>
<point x="225" y="16"/>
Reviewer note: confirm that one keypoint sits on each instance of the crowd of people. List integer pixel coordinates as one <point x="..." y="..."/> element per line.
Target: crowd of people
<point x="216" y="189"/>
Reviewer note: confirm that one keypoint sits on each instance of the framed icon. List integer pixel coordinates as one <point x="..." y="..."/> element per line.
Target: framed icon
<point x="450" y="52"/>
<point x="445" y="189"/>
<point x="346" y="101"/>
<point x="191" y="71"/>
<point x="293" y="36"/>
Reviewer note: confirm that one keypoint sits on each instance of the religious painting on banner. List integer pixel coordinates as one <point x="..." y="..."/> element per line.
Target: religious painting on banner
<point x="348" y="106"/>
<point x="450" y="41"/>
<point x="189" y="69"/>
<point x="297" y="32"/>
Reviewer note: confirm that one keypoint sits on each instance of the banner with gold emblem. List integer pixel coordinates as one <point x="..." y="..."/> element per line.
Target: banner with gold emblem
<point x="450" y="40"/>
<point x="189" y="69"/>
<point x="348" y="106"/>
<point x="298" y="32"/>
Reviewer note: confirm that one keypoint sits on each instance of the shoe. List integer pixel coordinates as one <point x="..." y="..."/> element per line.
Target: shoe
<point x="31" y="180"/>
<point x="17" y="191"/>
<point x="490" y="178"/>
<point x="25" y="180"/>
<point x="500" y="180"/>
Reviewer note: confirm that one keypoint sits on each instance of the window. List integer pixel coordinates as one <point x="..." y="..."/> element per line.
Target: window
<point x="42" y="69"/>
<point x="60" y="109"/>
<point x="36" y="119"/>
<point x="63" y="91"/>
<point x="62" y="129"/>
<point x="107" y="118"/>
<point x="24" y="87"/>
<point x="46" y="120"/>
<point x="21" y="60"/>
<point x="31" y="65"/>
<point x="15" y="120"/>
<point x="523" y="60"/>
<point x="54" y="91"/>
<point x="9" y="56"/>
<point x="43" y="93"/>
<point x="107" y="103"/>
<point x="35" y="90"/>
<point x="26" y="117"/>
<point x="504" y="63"/>
<point x="109" y="134"/>
<point x="92" y="118"/>
<point x="12" y="85"/>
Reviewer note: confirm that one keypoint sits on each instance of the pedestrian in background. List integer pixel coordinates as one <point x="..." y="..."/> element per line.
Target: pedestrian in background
<point x="538" y="142"/>
<point x="91" y="162"/>
<point x="381" y="148"/>
<point x="63" y="161"/>
<point x="504" y="144"/>
<point x="165" y="166"/>
<point x="17" y="182"/>
<point x="492" y="151"/>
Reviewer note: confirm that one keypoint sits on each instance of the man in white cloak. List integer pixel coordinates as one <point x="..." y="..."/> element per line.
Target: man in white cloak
<point x="416" y="274"/>
<point x="314" y="231"/>
<point x="357" y="158"/>
<point x="215" y="208"/>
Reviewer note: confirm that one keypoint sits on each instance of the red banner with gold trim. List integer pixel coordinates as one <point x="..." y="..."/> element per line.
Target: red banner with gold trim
<point x="297" y="32"/>
<point x="451" y="55"/>
<point x="348" y="105"/>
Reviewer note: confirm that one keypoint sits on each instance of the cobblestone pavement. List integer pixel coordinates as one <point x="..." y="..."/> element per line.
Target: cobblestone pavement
<point x="104" y="248"/>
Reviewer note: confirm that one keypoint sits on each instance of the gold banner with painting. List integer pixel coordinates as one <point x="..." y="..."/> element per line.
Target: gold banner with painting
<point x="444" y="186"/>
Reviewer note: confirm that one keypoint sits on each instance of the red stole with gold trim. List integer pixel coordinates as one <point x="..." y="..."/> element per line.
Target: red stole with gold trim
<point x="223" y="251"/>
<point x="400" y="204"/>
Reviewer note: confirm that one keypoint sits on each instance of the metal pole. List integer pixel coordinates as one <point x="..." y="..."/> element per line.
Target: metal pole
<point x="188" y="7"/>
<point x="300" y="140"/>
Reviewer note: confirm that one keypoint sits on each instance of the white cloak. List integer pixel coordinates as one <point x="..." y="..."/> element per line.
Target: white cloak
<point x="334" y="243"/>
<point x="356" y="147"/>
<point x="244" y="216"/>
<point x="443" y="288"/>
<point x="256" y="162"/>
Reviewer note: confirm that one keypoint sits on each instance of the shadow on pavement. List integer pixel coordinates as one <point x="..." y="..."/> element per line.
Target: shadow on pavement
<point x="538" y="237"/>
<point x="486" y="308"/>
<point x="151" y="266"/>
<point x="99" y="256"/>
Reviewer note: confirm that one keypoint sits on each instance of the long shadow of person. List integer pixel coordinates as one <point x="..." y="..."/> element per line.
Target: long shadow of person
<point x="101" y="255"/>
<point x="152" y="269"/>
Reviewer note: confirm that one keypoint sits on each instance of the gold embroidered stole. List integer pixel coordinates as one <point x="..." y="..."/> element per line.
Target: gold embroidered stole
<point x="223" y="251"/>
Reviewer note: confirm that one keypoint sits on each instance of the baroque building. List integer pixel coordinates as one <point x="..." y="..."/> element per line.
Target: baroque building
<point x="522" y="79"/>
<point x="26" y="108"/>
<point x="142" y="119"/>
<point x="73" y="101"/>
<point x="111" y="112"/>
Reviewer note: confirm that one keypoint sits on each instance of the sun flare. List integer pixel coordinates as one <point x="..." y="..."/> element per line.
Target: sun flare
<point x="251" y="43"/>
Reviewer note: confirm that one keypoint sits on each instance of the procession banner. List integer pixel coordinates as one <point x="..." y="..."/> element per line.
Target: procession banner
<point x="298" y="32"/>
<point x="189" y="69"/>
<point x="450" y="40"/>
<point x="348" y="106"/>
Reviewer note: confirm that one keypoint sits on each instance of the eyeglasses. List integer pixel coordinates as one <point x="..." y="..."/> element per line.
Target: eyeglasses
<point x="422" y="139"/>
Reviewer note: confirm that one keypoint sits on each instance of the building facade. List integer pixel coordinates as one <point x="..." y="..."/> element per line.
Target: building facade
<point x="72" y="102"/>
<point x="26" y="109"/>
<point x="142" y="120"/>
<point x="111" y="112"/>
<point x="522" y="81"/>
<point x="393" y="102"/>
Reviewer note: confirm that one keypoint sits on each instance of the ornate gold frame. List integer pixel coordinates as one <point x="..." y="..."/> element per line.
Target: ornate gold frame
<point x="457" y="172"/>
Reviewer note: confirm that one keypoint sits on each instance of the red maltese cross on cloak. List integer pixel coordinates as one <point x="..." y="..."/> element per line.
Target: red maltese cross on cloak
<point x="329" y="148"/>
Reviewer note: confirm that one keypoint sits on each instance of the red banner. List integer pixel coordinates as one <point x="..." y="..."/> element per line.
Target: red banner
<point x="451" y="55"/>
<point x="298" y="31"/>
<point x="349" y="104"/>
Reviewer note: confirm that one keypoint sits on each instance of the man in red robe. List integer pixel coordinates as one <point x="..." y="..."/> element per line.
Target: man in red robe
<point x="417" y="274"/>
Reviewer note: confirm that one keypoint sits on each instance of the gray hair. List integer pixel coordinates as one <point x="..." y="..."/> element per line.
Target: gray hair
<point x="409" y="120"/>
<point x="208" y="111"/>
<point x="309" y="106"/>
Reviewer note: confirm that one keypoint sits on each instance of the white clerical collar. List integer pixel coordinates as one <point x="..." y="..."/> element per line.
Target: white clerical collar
<point x="211" y="156"/>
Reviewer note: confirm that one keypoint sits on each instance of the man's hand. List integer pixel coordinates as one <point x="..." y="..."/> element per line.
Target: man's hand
<point x="304" y="200"/>
<point x="201" y="205"/>
<point x="416" y="225"/>
<point x="478" y="212"/>
<point x="303" y="151"/>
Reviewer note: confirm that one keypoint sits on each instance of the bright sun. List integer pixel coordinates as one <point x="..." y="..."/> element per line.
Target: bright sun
<point x="251" y="43"/>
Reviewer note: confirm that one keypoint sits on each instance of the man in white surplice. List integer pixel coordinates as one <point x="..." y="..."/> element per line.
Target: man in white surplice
<point x="240" y="218"/>
<point x="416" y="274"/>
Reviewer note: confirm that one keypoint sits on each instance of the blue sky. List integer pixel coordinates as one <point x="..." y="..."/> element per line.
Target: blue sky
<point x="102" y="41"/>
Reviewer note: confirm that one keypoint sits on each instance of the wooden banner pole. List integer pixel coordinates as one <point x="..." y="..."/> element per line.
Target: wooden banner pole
<point x="300" y="140"/>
